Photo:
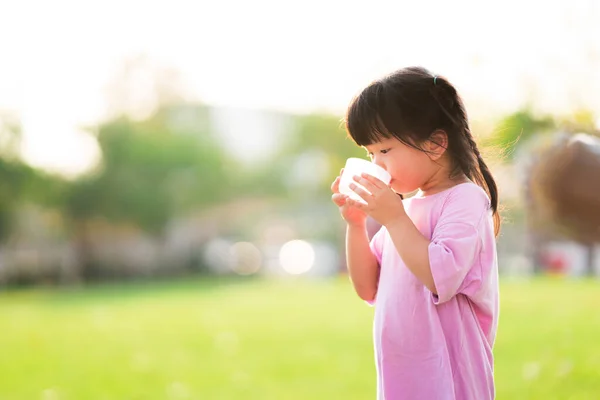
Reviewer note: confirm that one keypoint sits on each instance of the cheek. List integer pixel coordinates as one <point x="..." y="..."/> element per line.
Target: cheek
<point x="410" y="170"/>
<point x="408" y="163"/>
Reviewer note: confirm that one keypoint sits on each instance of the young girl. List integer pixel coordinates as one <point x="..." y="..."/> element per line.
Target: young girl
<point x="431" y="270"/>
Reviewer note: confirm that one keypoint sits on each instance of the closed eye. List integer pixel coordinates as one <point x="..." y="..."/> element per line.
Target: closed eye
<point x="384" y="151"/>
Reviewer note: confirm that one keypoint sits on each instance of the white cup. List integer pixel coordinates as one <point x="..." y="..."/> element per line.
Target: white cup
<point x="356" y="166"/>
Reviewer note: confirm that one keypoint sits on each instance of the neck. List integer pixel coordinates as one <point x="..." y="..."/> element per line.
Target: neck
<point x="442" y="180"/>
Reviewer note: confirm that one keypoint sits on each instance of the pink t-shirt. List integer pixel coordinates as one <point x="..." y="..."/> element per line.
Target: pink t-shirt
<point x="439" y="347"/>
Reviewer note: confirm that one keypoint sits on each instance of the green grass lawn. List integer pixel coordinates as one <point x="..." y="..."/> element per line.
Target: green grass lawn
<point x="267" y="340"/>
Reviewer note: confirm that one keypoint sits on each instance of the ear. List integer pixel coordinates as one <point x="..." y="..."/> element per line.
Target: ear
<point x="437" y="144"/>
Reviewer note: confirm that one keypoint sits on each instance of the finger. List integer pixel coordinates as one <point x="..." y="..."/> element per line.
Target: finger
<point x="366" y="184"/>
<point x="357" y="204"/>
<point x="339" y="199"/>
<point x="335" y="186"/>
<point x="366" y="196"/>
<point x="374" y="180"/>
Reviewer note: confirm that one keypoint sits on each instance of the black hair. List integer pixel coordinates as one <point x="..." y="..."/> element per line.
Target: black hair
<point x="410" y="105"/>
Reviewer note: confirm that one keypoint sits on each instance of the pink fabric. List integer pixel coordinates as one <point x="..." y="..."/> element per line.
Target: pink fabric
<point x="439" y="347"/>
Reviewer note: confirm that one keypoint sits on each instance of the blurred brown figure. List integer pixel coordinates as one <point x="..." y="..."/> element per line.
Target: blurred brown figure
<point x="565" y="188"/>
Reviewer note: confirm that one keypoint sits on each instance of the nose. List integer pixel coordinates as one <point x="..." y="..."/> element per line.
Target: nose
<point x="377" y="161"/>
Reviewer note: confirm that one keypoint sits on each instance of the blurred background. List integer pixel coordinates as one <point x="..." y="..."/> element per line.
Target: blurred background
<point x="166" y="228"/>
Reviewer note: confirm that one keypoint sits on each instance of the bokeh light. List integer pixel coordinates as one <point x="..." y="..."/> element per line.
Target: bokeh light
<point x="246" y="257"/>
<point x="217" y="255"/>
<point x="297" y="257"/>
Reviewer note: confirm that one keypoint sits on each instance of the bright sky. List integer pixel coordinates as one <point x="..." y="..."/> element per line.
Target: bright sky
<point x="56" y="58"/>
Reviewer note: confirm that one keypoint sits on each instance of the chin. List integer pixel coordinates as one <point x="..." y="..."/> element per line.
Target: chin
<point x="397" y="188"/>
<point x="403" y="190"/>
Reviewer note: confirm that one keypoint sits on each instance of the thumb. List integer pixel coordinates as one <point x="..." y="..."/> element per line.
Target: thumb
<point x="339" y="199"/>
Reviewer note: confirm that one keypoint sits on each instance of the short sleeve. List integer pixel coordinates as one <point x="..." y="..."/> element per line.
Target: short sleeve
<point x="456" y="244"/>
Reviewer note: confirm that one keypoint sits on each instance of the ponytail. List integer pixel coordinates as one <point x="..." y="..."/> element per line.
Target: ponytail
<point x="463" y="148"/>
<point x="484" y="178"/>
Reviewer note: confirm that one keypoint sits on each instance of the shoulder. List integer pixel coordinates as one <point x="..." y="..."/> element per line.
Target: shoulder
<point x="468" y="194"/>
<point x="466" y="202"/>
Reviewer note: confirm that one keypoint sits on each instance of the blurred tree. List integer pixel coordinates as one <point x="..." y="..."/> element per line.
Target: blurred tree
<point x="515" y="129"/>
<point x="319" y="141"/>
<point x="10" y="135"/>
<point x="301" y="171"/>
<point x="158" y="158"/>
<point x="581" y="121"/>
<point x="151" y="171"/>
<point x="305" y="163"/>
<point x="20" y="183"/>
<point x="14" y="177"/>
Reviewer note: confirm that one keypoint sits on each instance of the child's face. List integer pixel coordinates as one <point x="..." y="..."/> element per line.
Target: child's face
<point x="410" y="168"/>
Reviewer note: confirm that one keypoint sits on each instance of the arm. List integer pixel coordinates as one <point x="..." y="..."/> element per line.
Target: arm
<point x="362" y="264"/>
<point x="387" y="208"/>
<point x="442" y="263"/>
<point x="413" y="248"/>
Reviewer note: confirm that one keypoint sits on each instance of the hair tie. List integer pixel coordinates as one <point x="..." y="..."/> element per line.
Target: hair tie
<point x="434" y="79"/>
